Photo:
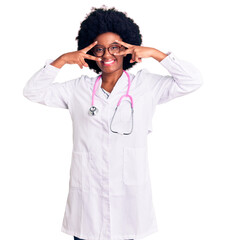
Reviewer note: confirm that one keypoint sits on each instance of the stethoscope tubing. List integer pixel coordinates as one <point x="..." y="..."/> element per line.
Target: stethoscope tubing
<point x="93" y="110"/>
<point x="126" y="95"/>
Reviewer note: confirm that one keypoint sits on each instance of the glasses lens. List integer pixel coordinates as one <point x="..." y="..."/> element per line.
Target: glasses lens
<point x="98" y="51"/>
<point x="114" y="49"/>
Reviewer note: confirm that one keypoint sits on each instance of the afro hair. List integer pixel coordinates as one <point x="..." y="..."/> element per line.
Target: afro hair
<point x="102" y="20"/>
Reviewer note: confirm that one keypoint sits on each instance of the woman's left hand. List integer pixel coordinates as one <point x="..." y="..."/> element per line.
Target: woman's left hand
<point x="138" y="52"/>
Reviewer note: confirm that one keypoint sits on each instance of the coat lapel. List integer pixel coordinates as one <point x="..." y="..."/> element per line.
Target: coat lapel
<point x="120" y="88"/>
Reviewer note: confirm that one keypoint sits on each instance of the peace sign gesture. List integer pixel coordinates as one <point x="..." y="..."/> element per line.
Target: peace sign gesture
<point x="77" y="57"/>
<point x="138" y="52"/>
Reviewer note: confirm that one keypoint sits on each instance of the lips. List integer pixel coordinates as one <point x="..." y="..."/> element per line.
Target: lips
<point x="108" y="62"/>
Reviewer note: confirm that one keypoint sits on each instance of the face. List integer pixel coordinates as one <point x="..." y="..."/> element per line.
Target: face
<point x="109" y="63"/>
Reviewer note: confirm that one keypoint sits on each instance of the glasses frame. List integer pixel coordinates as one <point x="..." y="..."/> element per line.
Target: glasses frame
<point x="120" y="46"/>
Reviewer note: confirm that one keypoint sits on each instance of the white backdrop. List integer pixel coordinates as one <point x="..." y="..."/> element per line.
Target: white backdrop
<point x="186" y="147"/>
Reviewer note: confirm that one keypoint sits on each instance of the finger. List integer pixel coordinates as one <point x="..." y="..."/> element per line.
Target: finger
<point x="127" y="51"/>
<point x="86" y="49"/>
<point x="137" y="59"/>
<point x="84" y="63"/>
<point x="80" y="64"/>
<point x="124" y="43"/>
<point x="132" y="58"/>
<point x="87" y="56"/>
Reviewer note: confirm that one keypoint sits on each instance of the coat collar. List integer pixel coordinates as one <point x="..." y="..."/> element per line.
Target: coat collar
<point x="120" y="87"/>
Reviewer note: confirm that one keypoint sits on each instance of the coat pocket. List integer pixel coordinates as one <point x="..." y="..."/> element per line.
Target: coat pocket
<point x="79" y="171"/>
<point x="135" y="165"/>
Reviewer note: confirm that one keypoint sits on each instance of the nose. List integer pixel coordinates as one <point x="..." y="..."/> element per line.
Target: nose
<point x="106" y="53"/>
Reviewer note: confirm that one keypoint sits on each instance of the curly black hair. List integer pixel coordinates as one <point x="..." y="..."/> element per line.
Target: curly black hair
<point x="102" y="20"/>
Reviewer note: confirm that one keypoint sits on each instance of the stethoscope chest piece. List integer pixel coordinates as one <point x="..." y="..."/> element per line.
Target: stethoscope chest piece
<point x="93" y="111"/>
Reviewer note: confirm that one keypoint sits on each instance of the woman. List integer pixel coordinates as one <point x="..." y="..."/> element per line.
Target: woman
<point x="110" y="191"/>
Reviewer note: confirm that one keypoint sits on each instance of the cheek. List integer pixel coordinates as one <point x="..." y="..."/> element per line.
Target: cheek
<point x="120" y="60"/>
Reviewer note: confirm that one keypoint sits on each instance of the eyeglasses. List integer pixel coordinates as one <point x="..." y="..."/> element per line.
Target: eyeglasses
<point x="100" y="51"/>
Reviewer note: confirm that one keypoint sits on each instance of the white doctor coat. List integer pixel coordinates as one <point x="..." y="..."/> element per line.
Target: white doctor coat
<point x="110" y="195"/>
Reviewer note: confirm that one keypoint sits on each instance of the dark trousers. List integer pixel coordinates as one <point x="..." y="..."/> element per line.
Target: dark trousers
<point x="76" y="238"/>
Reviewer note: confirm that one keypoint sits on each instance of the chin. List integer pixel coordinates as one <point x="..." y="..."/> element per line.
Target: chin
<point x="109" y="69"/>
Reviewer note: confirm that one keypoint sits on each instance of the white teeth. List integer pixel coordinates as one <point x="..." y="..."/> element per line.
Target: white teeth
<point x="109" y="61"/>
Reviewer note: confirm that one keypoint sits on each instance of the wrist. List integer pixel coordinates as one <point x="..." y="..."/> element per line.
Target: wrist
<point x="62" y="58"/>
<point x="157" y="55"/>
<point x="151" y="51"/>
<point x="59" y="62"/>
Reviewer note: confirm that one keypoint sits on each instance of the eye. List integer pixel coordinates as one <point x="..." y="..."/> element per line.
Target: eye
<point x="114" y="48"/>
<point x="98" y="49"/>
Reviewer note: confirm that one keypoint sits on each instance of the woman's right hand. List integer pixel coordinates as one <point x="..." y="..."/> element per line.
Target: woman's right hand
<point x="76" y="57"/>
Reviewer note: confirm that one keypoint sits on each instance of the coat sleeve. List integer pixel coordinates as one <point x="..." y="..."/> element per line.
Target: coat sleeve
<point x="185" y="78"/>
<point x="41" y="89"/>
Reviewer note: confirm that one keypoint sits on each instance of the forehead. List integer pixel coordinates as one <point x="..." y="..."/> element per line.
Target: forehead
<point x="106" y="39"/>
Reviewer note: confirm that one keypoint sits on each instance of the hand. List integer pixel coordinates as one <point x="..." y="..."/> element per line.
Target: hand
<point x="137" y="52"/>
<point x="77" y="57"/>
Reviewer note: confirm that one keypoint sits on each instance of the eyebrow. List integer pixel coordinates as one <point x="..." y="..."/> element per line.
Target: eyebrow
<point x="110" y="44"/>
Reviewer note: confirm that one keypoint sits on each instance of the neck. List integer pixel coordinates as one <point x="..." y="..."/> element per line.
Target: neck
<point x="109" y="79"/>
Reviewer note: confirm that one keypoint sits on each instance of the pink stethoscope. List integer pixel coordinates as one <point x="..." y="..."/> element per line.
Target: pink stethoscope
<point x="93" y="110"/>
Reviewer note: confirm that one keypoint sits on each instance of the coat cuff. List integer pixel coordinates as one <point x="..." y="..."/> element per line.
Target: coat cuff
<point x="51" y="68"/>
<point x="168" y="59"/>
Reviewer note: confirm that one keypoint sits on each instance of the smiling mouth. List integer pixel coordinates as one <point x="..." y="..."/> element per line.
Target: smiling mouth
<point x="108" y="63"/>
